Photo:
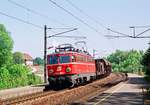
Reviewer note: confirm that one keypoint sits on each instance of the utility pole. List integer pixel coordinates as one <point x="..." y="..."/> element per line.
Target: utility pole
<point x="45" y="53"/>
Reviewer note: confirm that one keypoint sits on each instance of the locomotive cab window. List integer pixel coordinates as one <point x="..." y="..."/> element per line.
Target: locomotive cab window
<point x="64" y="59"/>
<point x="53" y="60"/>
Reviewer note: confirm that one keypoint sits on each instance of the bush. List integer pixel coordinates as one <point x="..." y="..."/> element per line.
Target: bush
<point x="33" y="79"/>
<point x="17" y="75"/>
<point x="4" y="78"/>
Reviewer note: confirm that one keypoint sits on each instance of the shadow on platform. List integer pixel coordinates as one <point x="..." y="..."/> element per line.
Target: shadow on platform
<point x="139" y="82"/>
<point x="122" y="98"/>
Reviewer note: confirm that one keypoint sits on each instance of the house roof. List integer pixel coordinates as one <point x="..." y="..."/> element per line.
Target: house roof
<point x="27" y="57"/>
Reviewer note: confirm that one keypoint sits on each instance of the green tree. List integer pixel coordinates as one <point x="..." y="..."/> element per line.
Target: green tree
<point x="146" y="58"/>
<point x="118" y="56"/>
<point x="38" y="61"/>
<point x="126" y="61"/>
<point x="6" y="45"/>
<point x="18" y="58"/>
<point x="146" y="62"/>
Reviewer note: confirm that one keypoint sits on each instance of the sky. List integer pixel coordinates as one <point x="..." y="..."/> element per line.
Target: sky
<point x="118" y="15"/>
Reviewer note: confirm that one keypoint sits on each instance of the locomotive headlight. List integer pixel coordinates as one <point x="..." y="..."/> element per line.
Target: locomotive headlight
<point x="68" y="69"/>
<point x="51" y="71"/>
<point x="59" y="68"/>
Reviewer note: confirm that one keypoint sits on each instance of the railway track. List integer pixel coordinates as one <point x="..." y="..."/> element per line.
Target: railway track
<point x="65" y="96"/>
<point x="25" y="98"/>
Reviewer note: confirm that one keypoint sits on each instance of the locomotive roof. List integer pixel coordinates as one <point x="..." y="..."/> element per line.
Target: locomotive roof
<point x="69" y="49"/>
<point x="70" y="52"/>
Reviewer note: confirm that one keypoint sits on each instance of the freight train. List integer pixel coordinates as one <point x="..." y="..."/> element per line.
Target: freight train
<point x="68" y="66"/>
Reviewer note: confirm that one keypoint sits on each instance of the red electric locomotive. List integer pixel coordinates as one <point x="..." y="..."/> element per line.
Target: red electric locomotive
<point x="69" y="66"/>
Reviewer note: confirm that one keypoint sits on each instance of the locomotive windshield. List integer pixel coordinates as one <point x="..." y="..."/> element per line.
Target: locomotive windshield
<point x="64" y="59"/>
<point x="59" y="59"/>
<point x="53" y="60"/>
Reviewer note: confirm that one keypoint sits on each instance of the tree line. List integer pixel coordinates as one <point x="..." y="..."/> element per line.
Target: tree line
<point x="132" y="61"/>
<point x="126" y="61"/>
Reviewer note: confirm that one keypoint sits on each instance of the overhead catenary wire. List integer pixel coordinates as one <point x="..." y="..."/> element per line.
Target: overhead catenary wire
<point x="139" y="26"/>
<point x="84" y="13"/>
<point x="83" y="37"/>
<point x="36" y="13"/>
<point x="21" y="20"/>
<point x="87" y="15"/>
<point x="118" y="32"/>
<point x="143" y="32"/>
<point x="130" y="36"/>
<point x="90" y="17"/>
<point x="77" y="18"/>
<point x="42" y="27"/>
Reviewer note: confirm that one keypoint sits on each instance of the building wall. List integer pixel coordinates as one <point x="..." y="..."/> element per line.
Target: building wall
<point x="29" y="63"/>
